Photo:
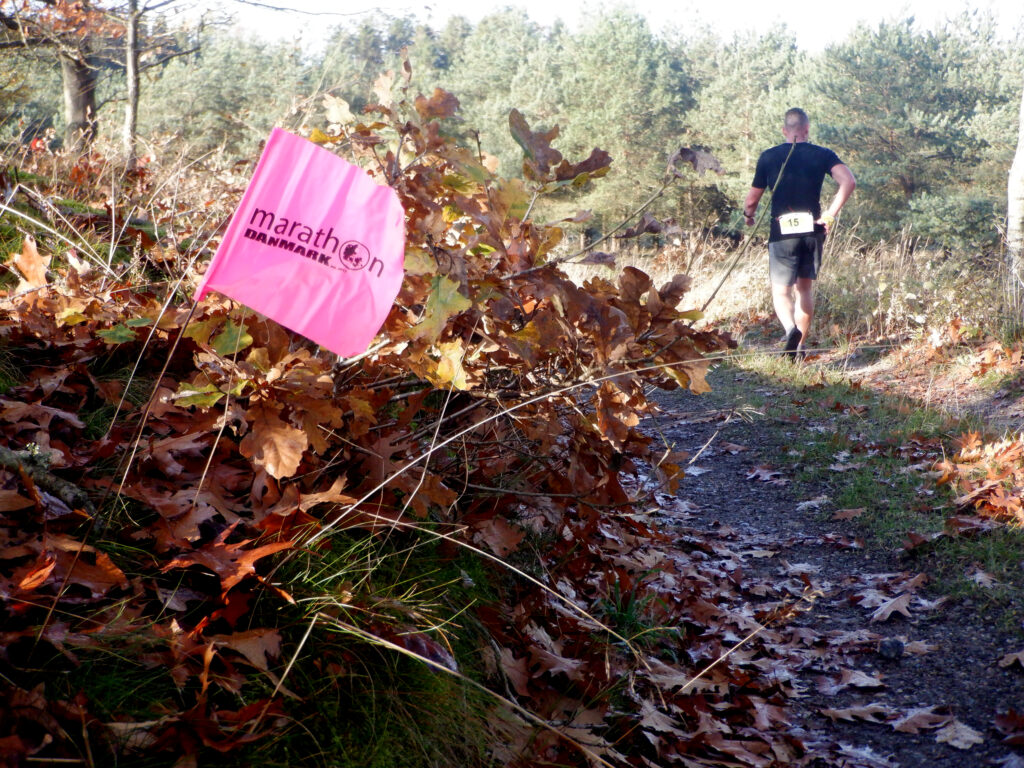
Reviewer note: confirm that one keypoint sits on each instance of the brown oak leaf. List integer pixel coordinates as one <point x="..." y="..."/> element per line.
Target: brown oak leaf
<point x="231" y="562"/>
<point x="500" y="537"/>
<point x="1012" y="658"/>
<point x="918" y="718"/>
<point x="272" y="443"/>
<point x="441" y="104"/>
<point x="872" y="713"/>
<point x="766" y="474"/>
<point x="959" y="735"/>
<point x="11" y="501"/>
<point x="848" y="678"/>
<point x="848" y="514"/>
<point x="899" y="604"/>
<point x="1011" y="725"/>
<point x="31" y="266"/>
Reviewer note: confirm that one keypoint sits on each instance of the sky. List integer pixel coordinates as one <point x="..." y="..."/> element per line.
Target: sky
<point x="815" y="25"/>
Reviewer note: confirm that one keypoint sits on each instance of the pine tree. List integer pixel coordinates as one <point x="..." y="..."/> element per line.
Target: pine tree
<point x="900" y="104"/>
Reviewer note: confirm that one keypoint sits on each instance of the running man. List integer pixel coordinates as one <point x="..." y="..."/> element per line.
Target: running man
<point x="798" y="225"/>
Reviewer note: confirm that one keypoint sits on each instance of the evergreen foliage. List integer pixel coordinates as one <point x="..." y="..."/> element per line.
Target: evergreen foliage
<point x="926" y="118"/>
<point x="745" y="86"/>
<point x="226" y="97"/>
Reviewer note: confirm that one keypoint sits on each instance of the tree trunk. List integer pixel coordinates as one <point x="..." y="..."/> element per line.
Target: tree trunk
<point x="79" y="103"/>
<point x="1015" y="222"/>
<point x="131" y="68"/>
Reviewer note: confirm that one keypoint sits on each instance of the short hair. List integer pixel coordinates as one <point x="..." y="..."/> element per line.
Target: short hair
<point x="797" y="118"/>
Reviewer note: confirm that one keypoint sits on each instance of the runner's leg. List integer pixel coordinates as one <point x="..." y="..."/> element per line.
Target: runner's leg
<point x="782" y="298"/>
<point x="782" y="273"/>
<point x="810" y="250"/>
<point x="803" y="311"/>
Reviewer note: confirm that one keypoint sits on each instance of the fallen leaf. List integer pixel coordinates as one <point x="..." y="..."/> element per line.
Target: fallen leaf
<point x="863" y="756"/>
<point x="970" y="526"/>
<point x="31" y="266"/>
<point x="899" y="604"/>
<point x="499" y="536"/>
<point x="814" y="503"/>
<point x="85" y="565"/>
<point x="982" y="578"/>
<point x="930" y="605"/>
<point x="164" y="450"/>
<point x="848" y="514"/>
<point x="918" y="718"/>
<point x="11" y="501"/>
<point x="272" y="443"/>
<point x="36" y="575"/>
<point x="230" y="562"/>
<point x="959" y="735"/>
<point x="848" y="678"/>
<point x="517" y="670"/>
<point x="870" y="598"/>
<point x="799" y="569"/>
<point x="733" y="448"/>
<point x="1012" y="658"/>
<point x="766" y="474"/>
<point x="919" y="647"/>
<point x="1011" y="725"/>
<point x="134" y="737"/>
<point x="258" y="646"/>
<point x="653" y="719"/>
<point x="872" y="713"/>
<point x="844" y="542"/>
<point x="759" y="553"/>
<point x="915" y="540"/>
<point x="843" y="467"/>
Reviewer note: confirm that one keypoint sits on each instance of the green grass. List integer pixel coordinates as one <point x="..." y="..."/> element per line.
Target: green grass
<point x="395" y="712"/>
<point x="10" y="373"/>
<point x="368" y="706"/>
<point x="631" y="612"/>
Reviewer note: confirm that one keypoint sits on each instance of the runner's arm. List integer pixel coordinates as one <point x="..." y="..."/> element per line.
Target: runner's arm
<point x="847" y="183"/>
<point x="750" y="204"/>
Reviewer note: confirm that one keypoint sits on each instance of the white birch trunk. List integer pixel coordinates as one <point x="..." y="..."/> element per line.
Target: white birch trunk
<point x="1015" y="222"/>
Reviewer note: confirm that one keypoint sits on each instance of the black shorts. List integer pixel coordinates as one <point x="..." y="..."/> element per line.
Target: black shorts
<point x="795" y="257"/>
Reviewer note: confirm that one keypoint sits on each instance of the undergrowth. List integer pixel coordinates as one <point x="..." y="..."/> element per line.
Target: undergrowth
<point x="878" y="292"/>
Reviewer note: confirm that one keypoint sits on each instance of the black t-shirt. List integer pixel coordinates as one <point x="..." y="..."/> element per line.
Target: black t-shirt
<point x="800" y="187"/>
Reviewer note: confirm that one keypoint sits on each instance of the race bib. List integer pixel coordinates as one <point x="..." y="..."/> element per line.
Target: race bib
<point x="796" y="223"/>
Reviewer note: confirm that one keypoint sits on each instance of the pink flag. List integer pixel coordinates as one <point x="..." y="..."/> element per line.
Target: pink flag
<point x="315" y="245"/>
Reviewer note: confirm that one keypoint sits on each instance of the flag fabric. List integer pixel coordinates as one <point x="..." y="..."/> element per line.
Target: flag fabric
<point x="315" y="244"/>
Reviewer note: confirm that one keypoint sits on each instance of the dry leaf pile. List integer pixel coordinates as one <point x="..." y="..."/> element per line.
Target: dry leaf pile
<point x="163" y="520"/>
<point x="989" y="476"/>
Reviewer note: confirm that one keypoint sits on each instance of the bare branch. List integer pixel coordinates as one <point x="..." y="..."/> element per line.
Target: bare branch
<point x="28" y="42"/>
<point x="163" y="59"/>
<point x="269" y="7"/>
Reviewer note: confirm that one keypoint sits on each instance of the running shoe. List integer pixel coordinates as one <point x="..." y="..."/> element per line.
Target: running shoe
<point x="793" y="341"/>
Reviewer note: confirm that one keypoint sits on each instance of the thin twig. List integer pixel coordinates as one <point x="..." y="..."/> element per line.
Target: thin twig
<point x="611" y="233"/>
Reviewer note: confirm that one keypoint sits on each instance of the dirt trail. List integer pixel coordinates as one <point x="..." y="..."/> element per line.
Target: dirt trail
<point x="929" y="666"/>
